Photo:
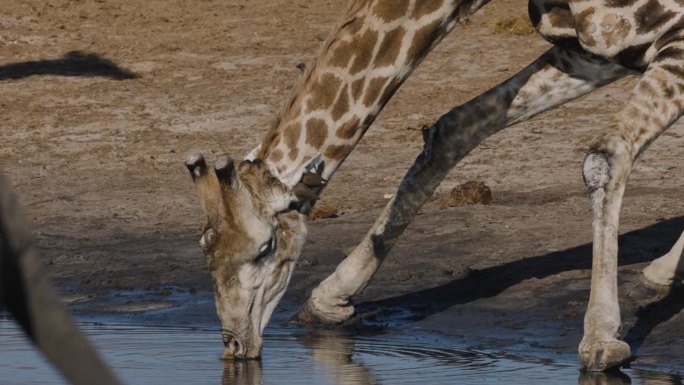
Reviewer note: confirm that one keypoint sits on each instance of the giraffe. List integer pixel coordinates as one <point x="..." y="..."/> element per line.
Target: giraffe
<point x="256" y="210"/>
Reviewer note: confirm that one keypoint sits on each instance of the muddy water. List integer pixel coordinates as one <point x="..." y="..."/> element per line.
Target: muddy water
<point x="165" y="355"/>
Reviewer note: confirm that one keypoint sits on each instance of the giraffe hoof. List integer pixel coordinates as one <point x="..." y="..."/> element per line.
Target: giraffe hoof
<point x="644" y="289"/>
<point x="310" y="313"/>
<point x="598" y="356"/>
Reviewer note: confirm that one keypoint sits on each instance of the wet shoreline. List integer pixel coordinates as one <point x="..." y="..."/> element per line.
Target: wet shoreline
<point x="172" y="308"/>
<point x="145" y="354"/>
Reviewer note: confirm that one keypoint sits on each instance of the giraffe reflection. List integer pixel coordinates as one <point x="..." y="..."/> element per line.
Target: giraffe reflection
<point x="616" y="377"/>
<point x="331" y="350"/>
<point x="604" y="378"/>
<point x="344" y="358"/>
<point x="242" y="372"/>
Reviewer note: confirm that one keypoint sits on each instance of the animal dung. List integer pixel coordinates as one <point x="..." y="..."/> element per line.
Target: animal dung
<point x="468" y="193"/>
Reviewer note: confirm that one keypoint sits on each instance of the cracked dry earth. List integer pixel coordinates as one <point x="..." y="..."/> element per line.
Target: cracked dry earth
<point x="103" y="100"/>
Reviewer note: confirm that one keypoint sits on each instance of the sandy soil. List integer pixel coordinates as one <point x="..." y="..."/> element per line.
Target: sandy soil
<point x="103" y="100"/>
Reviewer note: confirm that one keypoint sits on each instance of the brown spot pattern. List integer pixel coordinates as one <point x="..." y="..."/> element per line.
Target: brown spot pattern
<point x="341" y="104"/>
<point x="670" y="36"/>
<point x="676" y="70"/>
<point x="340" y="54"/>
<point x="375" y="87"/>
<point x="679" y="105"/>
<point x="348" y="129"/>
<point x="652" y="15"/>
<point x="363" y="49"/>
<point x="669" y="53"/>
<point x="391" y="10"/>
<point x="545" y="88"/>
<point x="619" y="3"/>
<point x="583" y="25"/>
<point x="558" y="26"/>
<point x="316" y="132"/>
<point x="620" y="28"/>
<point x="292" y="133"/>
<point x="645" y="88"/>
<point x="423" y="39"/>
<point x="390" y="47"/>
<point x="357" y="89"/>
<point x="276" y="155"/>
<point x="560" y="17"/>
<point x="322" y="92"/>
<point x="338" y="152"/>
<point x="425" y="7"/>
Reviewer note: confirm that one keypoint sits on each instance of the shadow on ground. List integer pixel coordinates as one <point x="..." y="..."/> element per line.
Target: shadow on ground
<point x="74" y="63"/>
<point x="637" y="246"/>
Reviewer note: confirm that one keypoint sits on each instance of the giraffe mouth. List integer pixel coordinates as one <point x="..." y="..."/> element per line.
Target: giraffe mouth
<point x="233" y="347"/>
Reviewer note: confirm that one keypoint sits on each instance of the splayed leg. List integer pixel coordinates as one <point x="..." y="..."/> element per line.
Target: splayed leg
<point x="556" y="77"/>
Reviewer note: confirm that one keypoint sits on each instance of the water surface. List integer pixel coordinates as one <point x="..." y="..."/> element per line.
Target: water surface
<point x="165" y="355"/>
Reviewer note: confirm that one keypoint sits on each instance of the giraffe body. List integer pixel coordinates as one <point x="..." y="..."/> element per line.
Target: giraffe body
<point x="628" y="32"/>
<point x="255" y="212"/>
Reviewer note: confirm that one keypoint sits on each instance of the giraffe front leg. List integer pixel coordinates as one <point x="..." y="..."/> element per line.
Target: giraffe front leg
<point x="600" y="349"/>
<point x="656" y="102"/>
<point x="556" y="77"/>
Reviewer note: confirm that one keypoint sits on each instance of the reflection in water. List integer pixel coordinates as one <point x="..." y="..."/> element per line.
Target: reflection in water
<point x="608" y="378"/>
<point x="616" y="377"/>
<point x="333" y="353"/>
<point x="162" y="355"/>
<point x="242" y="372"/>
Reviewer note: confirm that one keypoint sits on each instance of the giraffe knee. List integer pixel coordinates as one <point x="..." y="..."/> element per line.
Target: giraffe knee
<point x="596" y="171"/>
<point x="609" y="161"/>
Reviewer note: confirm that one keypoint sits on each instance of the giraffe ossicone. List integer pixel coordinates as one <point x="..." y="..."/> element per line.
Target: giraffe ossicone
<point x="255" y="212"/>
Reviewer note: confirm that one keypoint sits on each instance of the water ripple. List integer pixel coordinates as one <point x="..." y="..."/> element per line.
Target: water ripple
<point x="153" y="355"/>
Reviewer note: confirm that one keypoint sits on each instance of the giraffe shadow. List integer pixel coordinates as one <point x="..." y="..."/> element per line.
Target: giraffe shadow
<point x="652" y="315"/>
<point x="73" y="63"/>
<point x="637" y="246"/>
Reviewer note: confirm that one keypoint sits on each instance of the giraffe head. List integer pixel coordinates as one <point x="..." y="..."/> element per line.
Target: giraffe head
<point x="251" y="241"/>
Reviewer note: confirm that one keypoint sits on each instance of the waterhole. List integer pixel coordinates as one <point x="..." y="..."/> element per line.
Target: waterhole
<point x="166" y="355"/>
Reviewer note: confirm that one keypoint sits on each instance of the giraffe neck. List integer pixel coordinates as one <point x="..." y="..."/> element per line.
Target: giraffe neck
<point x="361" y="66"/>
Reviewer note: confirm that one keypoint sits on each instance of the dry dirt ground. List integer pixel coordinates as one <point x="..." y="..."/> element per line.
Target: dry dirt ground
<point x="102" y="100"/>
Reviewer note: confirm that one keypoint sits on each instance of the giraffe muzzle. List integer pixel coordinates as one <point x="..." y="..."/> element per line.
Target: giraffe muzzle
<point x="233" y="348"/>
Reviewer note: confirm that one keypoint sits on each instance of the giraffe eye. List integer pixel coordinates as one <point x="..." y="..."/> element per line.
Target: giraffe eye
<point x="208" y="240"/>
<point x="265" y="249"/>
